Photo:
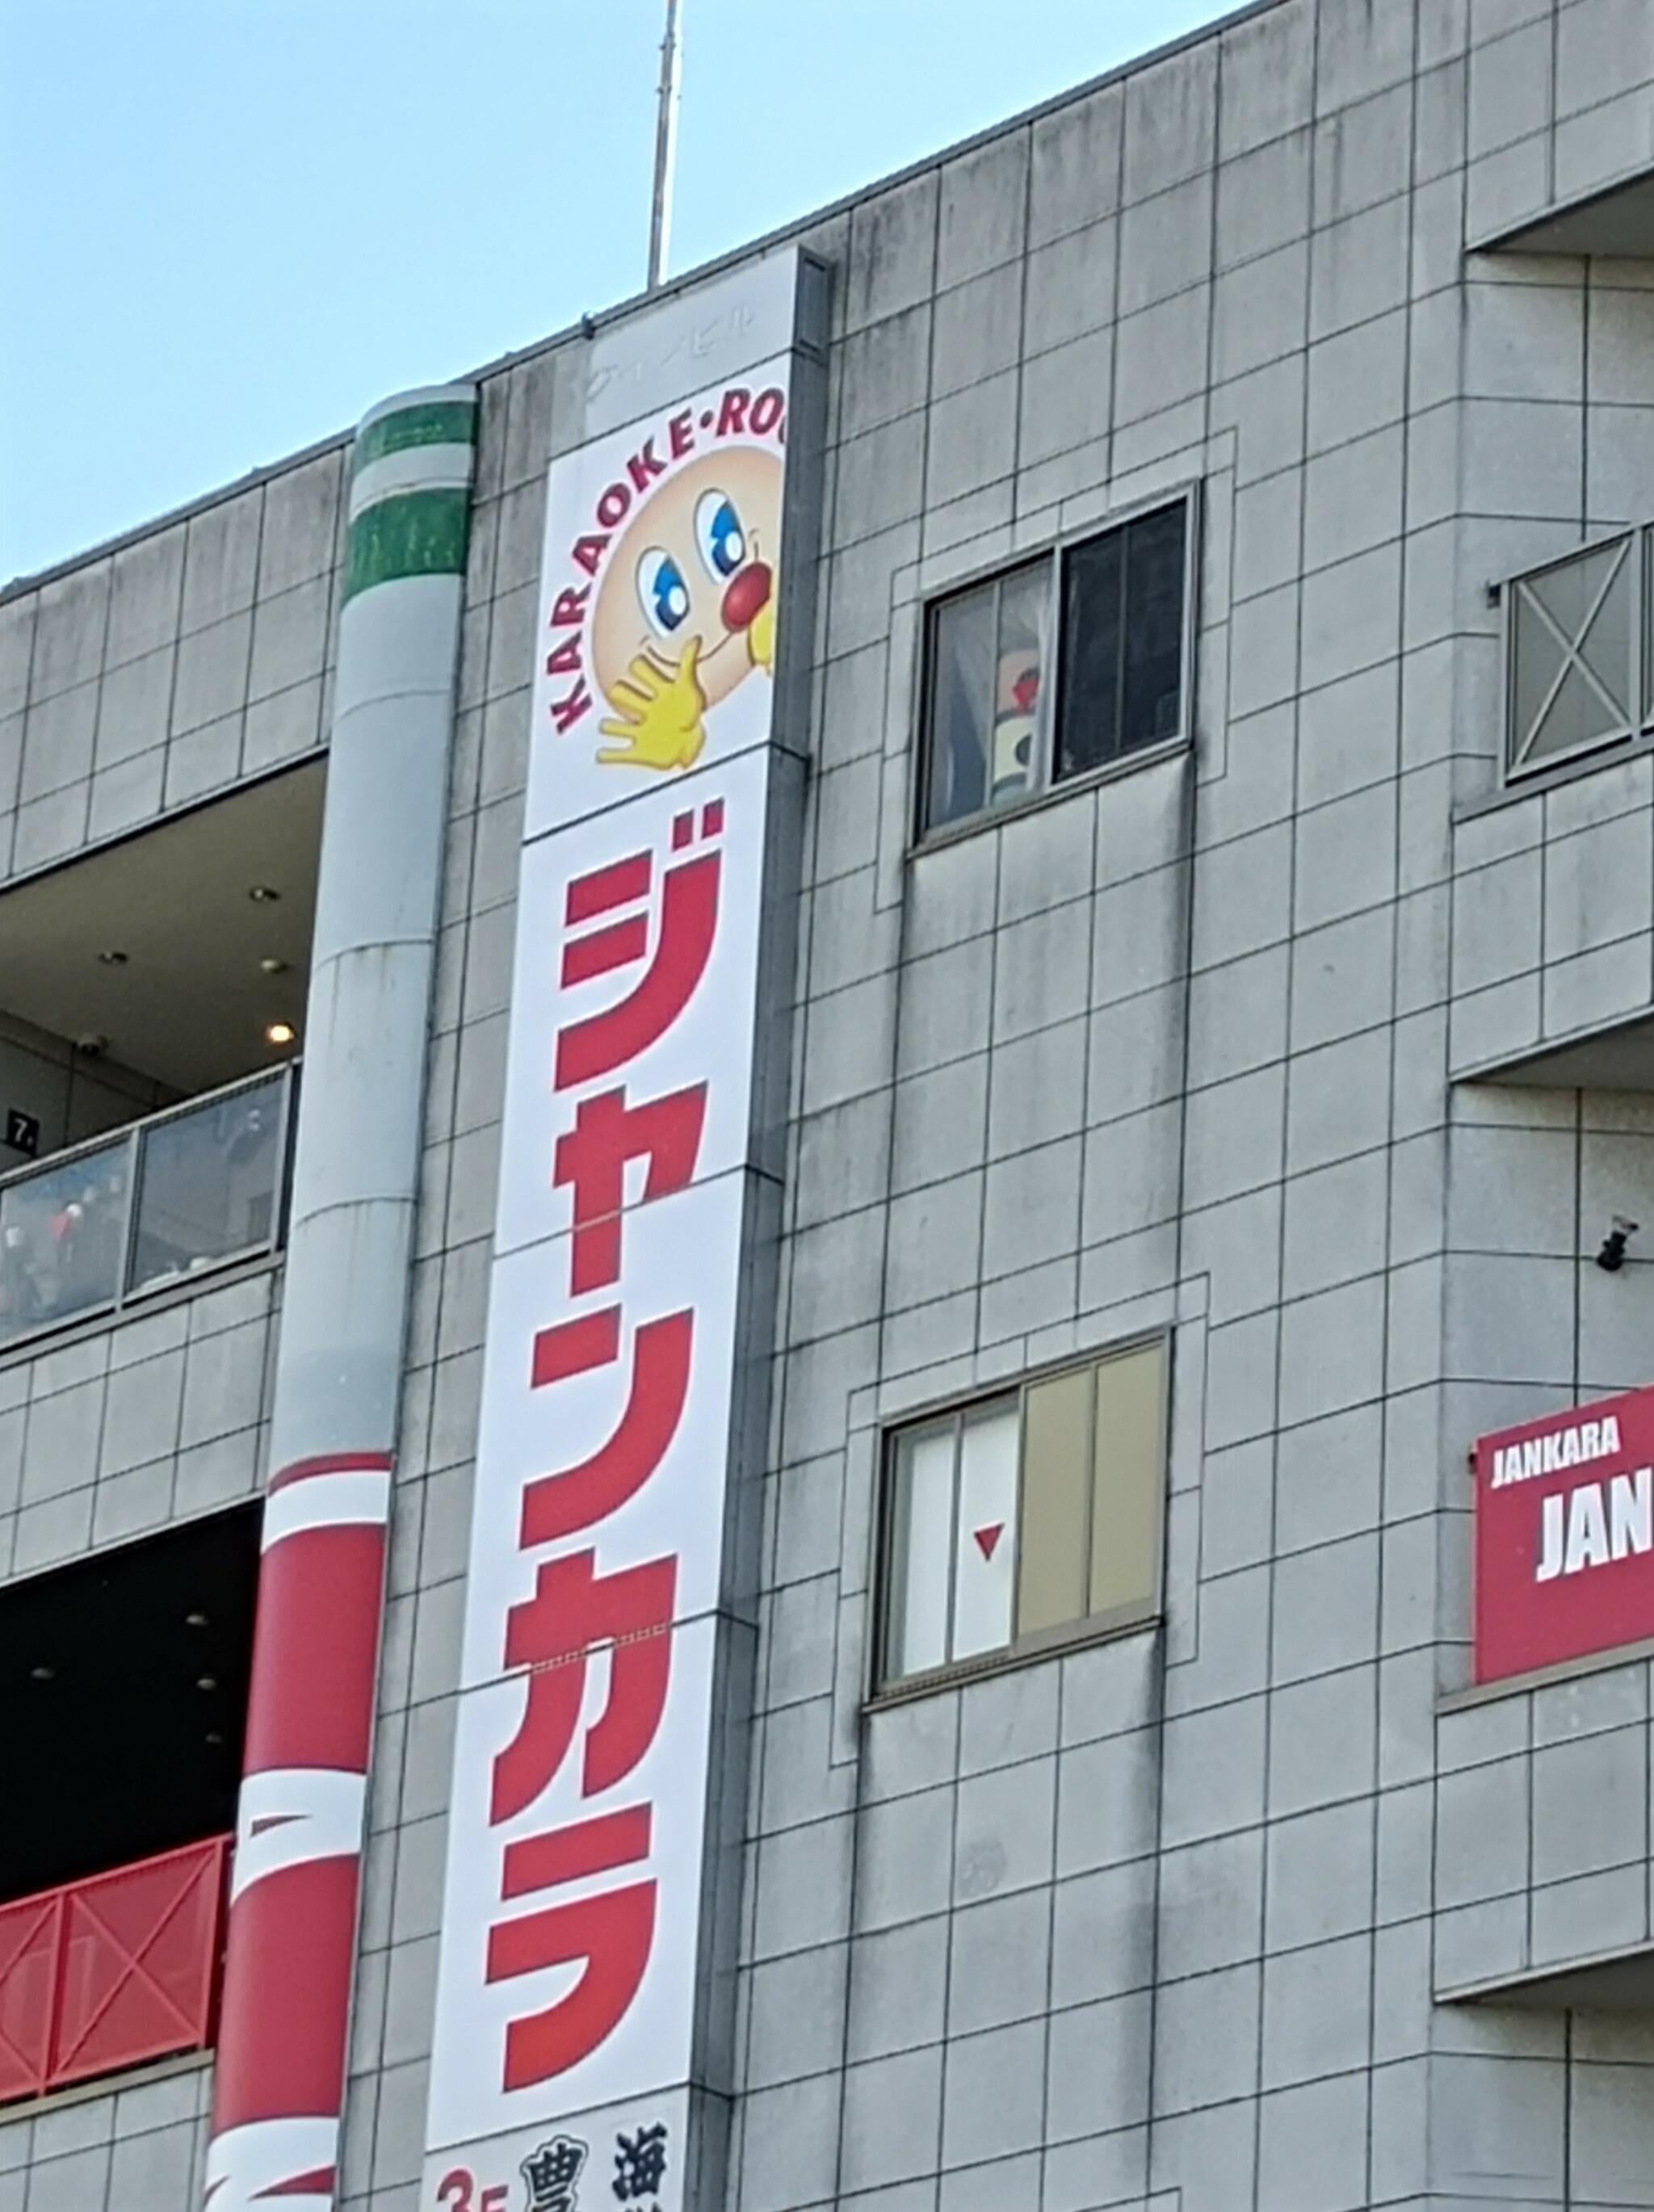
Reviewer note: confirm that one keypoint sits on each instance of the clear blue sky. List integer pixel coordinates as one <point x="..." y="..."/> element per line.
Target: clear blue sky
<point x="227" y="227"/>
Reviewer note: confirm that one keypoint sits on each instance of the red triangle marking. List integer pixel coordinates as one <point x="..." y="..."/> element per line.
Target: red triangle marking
<point x="988" y="1538"/>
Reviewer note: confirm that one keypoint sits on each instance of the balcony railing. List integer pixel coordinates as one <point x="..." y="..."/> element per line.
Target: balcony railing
<point x="159" y="1203"/>
<point x="112" y="1972"/>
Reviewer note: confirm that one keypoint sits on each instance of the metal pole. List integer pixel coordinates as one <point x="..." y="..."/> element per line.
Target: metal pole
<point x="665" y="141"/>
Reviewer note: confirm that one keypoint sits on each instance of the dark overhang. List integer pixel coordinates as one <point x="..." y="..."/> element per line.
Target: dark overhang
<point x="1615" y="221"/>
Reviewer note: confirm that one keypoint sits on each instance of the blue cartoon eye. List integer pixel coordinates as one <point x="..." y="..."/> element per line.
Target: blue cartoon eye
<point x="719" y="534"/>
<point x="662" y="592"/>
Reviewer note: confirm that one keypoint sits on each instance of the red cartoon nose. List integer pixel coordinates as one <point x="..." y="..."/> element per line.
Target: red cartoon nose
<point x="748" y="594"/>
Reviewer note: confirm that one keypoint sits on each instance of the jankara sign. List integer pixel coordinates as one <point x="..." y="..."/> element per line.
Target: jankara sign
<point x="1564" y="1537"/>
<point x="585" y="1982"/>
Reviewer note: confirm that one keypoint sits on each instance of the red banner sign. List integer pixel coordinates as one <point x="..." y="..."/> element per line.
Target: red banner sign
<point x="1565" y="1536"/>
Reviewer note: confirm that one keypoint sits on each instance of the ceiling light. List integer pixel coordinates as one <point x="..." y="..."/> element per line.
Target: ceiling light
<point x="113" y="958"/>
<point x="206" y="1682"/>
<point x="43" y="1674"/>
<point x="273" y="967"/>
<point x="279" y="1032"/>
<point x="195" y="1621"/>
<point x="264" y="894"/>
<point x="212" y="1736"/>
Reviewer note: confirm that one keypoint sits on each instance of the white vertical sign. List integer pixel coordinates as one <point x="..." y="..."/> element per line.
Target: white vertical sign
<point x="564" y="2044"/>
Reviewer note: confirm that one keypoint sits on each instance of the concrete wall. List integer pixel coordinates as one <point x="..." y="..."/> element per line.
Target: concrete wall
<point x="121" y="1429"/>
<point x="139" y="2146"/>
<point x="1558" y="102"/>
<point x="1553" y="915"/>
<point x="71" y="1098"/>
<point x="187" y="659"/>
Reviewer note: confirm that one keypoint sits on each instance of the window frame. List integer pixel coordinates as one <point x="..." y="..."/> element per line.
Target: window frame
<point x="1636" y="539"/>
<point x="1052" y="549"/>
<point x="880" y="1688"/>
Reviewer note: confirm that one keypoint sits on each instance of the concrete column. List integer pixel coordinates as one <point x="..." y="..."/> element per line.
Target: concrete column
<point x="280" y="2082"/>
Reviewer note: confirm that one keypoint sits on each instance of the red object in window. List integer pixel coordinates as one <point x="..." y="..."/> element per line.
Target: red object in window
<point x="111" y="1971"/>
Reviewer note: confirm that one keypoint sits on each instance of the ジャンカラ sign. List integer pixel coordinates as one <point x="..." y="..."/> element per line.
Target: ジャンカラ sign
<point x="579" y="2055"/>
<point x="1565" y="1536"/>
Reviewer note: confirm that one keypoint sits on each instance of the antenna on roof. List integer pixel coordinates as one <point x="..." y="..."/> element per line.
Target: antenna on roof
<point x="665" y="145"/>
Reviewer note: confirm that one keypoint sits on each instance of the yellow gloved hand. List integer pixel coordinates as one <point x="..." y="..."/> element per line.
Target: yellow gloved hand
<point x="761" y="636"/>
<point x="662" y="707"/>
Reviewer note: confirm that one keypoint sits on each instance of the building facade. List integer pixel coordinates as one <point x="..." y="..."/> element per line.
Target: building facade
<point x="821" y="1305"/>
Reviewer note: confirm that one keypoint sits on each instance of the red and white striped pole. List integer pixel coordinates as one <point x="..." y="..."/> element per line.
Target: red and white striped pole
<point x="295" y="1883"/>
<point x="297" y="1874"/>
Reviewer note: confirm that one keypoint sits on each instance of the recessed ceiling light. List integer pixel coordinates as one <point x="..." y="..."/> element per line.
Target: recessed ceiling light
<point x="43" y="1674"/>
<point x="264" y="894"/>
<point x="113" y="958"/>
<point x="206" y="1682"/>
<point x="273" y="966"/>
<point x="212" y="1736"/>
<point x="279" y="1032"/>
<point x="195" y="1621"/>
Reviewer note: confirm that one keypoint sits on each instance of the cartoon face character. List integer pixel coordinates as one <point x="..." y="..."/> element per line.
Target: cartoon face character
<point x="686" y="607"/>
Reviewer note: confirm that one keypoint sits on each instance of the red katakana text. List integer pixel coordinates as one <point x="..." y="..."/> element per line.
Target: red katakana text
<point x="581" y="1496"/>
<point x="573" y="1609"/>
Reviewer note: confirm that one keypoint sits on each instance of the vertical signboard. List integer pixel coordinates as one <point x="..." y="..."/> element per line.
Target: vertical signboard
<point x="584" y="1994"/>
<point x="1564" y="1537"/>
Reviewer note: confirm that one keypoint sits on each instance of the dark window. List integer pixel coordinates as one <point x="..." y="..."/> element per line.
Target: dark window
<point x="1026" y="1518"/>
<point x="1106" y="618"/>
<point x="124" y="1684"/>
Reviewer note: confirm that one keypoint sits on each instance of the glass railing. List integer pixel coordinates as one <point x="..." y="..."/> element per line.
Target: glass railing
<point x="160" y="1203"/>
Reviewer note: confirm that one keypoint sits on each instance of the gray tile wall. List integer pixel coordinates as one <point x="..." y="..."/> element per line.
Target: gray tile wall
<point x="71" y="1098"/>
<point x="1553" y="927"/>
<point x="1047" y="1940"/>
<point x="181" y="663"/>
<point x="119" y="1430"/>
<point x="1557" y="102"/>
<point x="141" y="2147"/>
<point x="1159" y="1923"/>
